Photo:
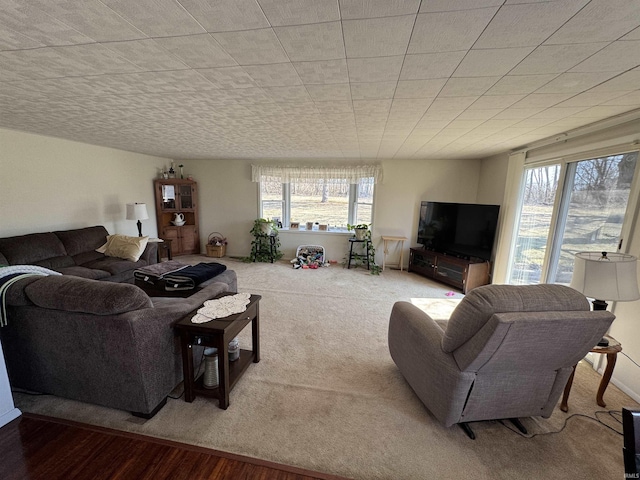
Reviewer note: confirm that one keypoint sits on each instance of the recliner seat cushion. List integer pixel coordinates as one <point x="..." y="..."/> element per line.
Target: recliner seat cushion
<point x="73" y="294"/>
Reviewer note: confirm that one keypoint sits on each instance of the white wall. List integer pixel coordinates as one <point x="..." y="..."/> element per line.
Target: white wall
<point x="49" y="184"/>
<point x="229" y="203"/>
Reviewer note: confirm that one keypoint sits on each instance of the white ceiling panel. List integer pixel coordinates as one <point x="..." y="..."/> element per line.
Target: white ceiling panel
<point x="432" y="30"/>
<point x="377" y="37"/>
<point x="305" y="43"/>
<point x="352" y="79"/>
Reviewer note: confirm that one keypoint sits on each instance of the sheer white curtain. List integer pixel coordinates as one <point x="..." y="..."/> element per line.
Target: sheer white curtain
<point x="295" y="173"/>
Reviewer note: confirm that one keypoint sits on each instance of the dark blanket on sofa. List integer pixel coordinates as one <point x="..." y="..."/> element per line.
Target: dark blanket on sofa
<point x="190" y="277"/>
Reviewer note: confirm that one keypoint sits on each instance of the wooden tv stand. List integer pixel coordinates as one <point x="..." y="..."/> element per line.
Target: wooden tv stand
<point x="462" y="274"/>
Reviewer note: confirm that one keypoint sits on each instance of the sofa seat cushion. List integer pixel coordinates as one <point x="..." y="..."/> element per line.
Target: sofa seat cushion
<point x="73" y="294"/>
<point x="114" y="265"/>
<point x="84" y="272"/>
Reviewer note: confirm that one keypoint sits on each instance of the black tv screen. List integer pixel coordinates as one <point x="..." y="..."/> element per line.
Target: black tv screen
<point x="461" y="229"/>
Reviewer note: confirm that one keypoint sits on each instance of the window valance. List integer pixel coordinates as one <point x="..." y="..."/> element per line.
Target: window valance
<point x="295" y="173"/>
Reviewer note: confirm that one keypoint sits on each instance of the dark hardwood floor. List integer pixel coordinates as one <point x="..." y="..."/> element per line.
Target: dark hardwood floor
<point x="37" y="447"/>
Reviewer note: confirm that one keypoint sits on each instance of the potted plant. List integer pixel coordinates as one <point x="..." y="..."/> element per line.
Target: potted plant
<point x="263" y="226"/>
<point x="265" y="246"/>
<point x="359" y="230"/>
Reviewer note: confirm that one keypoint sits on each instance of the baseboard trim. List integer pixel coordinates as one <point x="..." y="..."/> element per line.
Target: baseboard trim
<point x="9" y="416"/>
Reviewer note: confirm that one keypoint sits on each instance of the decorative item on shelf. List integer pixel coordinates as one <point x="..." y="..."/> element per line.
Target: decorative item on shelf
<point x="172" y="172"/>
<point x="178" y="219"/>
<point x="137" y="211"/>
<point x="362" y="234"/>
<point x="309" y="226"/>
<point x="605" y="276"/>
<point x="234" y="350"/>
<point x="181" y="170"/>
<point x="294" y="225"/>
<point x="216" y="245"/>
<point x="323" y="228"/>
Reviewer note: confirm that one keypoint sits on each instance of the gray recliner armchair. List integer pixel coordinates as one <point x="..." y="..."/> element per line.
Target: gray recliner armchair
<point x="505" y="352"/>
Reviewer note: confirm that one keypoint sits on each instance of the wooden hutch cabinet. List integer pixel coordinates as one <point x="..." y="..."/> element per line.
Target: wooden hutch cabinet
<point x="457" y="272"/>
<point x="174" y="196"/>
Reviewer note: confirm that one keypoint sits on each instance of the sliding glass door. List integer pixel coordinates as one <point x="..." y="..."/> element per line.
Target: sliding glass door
<point x="568" y="207"/>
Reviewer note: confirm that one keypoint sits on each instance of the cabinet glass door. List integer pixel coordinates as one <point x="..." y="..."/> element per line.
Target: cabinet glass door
<point x="452" y="271"/>
<point x="186" y="200"/>
<point x="168" y="197"/>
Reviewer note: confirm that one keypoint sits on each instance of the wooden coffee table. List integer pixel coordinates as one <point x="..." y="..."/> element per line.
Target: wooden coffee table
<point x="218" y="333"/>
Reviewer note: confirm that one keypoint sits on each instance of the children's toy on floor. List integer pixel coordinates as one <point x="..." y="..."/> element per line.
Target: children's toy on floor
<point x="309" y="256"/>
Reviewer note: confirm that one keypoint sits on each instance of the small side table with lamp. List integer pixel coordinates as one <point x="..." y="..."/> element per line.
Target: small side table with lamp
<point x="611" y="276"/>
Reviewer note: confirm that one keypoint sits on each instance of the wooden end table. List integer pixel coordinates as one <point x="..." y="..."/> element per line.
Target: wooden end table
<point x="611" y="351"/>
<point x="218" y="333"/>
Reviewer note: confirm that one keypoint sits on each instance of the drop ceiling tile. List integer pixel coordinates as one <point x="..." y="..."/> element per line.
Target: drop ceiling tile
<point x="430" y="65"/>
<point x="91" y="18"/>
<point x="197" y="51"/>
<point x="624" y="82"/>
<point x="452" y="5"/>
<point x="354" y="9"/>
<point x="375" y="109"/>
<point x="542" y="100"/>
<point x="462" y="87"/>
<point x="534" y="123"/>
<point x="335" y="107"/>
<point x="519" y="84"/>
<point x="226" y="15"/>
<point x="517" y="113"/>
<point x="487" y="63"/>
<point x="631" y="99"/>
<point x="377" y="37"/>
<point x="228" y="77"/>
<point x="458" y="104"/>
<point x="432" y="31"/>
<point x="490" y="102"/>
<point x="323" y="71"/>
<point x="329" y="93"/>
<point x="299" y="12"/>
<point x="556" y="58"/>
<point x="556" y="113"/>
<point x="304" y="43"/>
<point x="599" y="21"/>
<point x="288" y="94"/>
<point x="574" y="82"/>
<point x="590" y="99"/>
<point x="40" y="27"/>
<point x="617" y="57"/>
<point x="252" y="47"/>
<point x="375" y="69"/>
<point x="480" y="114"/>
<point x="146" y="54"/>
<point x="274" y="75"/>
<point x="419" y="88"/>
<point x="527" y="24"/>
<point x="142" y="14"/>
<point x="632" y="35"/>
<point x="372" y="90"/>
<point x="601" y="111"/>
<point x="11" y="40"/>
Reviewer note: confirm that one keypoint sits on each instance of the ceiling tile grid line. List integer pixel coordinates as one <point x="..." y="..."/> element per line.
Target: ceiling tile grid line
<point x="350" y="79"/>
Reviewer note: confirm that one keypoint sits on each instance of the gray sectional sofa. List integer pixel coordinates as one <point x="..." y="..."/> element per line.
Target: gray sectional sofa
<point x="73" y="252"/>
<point x="89" y="334"/>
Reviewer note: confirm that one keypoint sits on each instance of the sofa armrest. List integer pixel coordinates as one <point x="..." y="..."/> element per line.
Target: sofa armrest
<point x="150" y="253"/>
<point x="415" y="344"/>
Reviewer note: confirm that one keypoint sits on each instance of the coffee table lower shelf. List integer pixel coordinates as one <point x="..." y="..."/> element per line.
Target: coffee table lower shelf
<point x="236" y="369"/>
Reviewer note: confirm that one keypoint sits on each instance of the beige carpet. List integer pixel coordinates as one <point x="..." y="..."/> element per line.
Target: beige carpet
<point x="326" y="395"/>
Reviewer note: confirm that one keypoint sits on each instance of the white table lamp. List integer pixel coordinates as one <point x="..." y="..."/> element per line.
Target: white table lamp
<point x="137" y="211"/>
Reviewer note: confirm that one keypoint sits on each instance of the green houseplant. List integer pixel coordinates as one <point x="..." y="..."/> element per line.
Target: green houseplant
<point x="262" y="230"/>
<point x="363" y="233"/>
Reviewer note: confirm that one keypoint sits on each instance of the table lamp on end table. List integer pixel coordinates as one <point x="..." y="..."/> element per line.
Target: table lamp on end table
<point x="610" y="276"/>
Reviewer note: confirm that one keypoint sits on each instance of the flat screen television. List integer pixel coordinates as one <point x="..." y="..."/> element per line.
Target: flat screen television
<point x="461" y="229"/>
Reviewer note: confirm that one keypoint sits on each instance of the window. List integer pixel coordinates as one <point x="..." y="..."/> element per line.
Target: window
<point x="317" y="195"/>
<point x="568" y="208"/>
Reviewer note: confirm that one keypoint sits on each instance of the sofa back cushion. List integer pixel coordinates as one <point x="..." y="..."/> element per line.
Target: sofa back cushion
<point x="43" y="249"/>
<point x="74" y="294"/>
<point x="479" y="305"/>
<point x="82" y="239"/>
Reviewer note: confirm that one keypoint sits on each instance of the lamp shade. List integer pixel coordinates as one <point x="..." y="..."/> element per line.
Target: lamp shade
<point x="137" y="211"/>
<point x="606" y="276"/>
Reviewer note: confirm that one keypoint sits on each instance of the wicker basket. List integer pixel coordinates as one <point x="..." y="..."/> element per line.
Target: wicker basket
<point x="213" y="250"/>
